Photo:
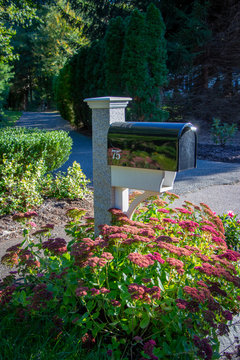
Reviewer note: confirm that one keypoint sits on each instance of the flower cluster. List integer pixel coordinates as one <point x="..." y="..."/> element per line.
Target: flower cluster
<point x="218" y="271"/>
<point x="27" y="215"/>
<point x="10" y="259"/>
<point x="143" y="261"/>
<point x="148" y="350"/>
<point x="177" y="250"/>
<point x="82" y="250"/>
<point x="169" y="221"/>
<point x="16" y="255"/>
<point x="56" y="246"/>
<point x="177" y="264"/>
<point x="156" y="257"/>
<point x="40" y="298"/>
<point x="95" y="261"/>
<point x="188" y="225"/>
<point x="200" y="295"/>
<point x="184" y="211"/>
<point x="219" y="240"/>
<point x="136" y="239"/>
<point x="6" y="294"/>
<point x="230" y="255"/>
<point x="85" y="290"/>
<point x="168" y="239"/>
<point x="144" y="293"/>
<point x="204" y="348"/>
<point x="163" y="210"/>
<point x="210" y="229"/>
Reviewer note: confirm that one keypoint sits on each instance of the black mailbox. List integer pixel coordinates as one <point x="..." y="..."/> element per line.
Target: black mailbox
<point x="156" y="146"/>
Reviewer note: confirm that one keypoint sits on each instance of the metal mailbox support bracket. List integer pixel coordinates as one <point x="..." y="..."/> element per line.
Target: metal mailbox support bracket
<point x="158" y="181"/>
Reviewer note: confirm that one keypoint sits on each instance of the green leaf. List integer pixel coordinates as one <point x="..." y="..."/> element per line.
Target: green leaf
<point x="98" y="328"/>
<point x="160" y="284"/>
<point x="66" y="300"/>
<point x="145" y="321"/>
<point x="180" y="292"/>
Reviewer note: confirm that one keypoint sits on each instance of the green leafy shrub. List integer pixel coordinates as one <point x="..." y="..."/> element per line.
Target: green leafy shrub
<point x="20" y="189"/>
<point x="32" y="145"/>
<point x="162" y="286"/>
<point x="6" y="74"/>
<point x="25" y="187"/>
<point x="232" y="230"/>
<point x="222" y="132"/>
<point x="72" y="185"/>
<point x="9" y="117"/>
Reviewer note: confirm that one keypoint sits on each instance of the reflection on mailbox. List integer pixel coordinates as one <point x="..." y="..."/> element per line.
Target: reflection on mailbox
<point x="156" y="146"/>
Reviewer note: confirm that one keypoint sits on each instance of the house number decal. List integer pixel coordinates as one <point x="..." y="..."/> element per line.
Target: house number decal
<point x="116" y="154"/>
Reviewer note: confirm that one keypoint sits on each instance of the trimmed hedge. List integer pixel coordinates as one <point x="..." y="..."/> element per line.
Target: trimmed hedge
<point x="54" y="147"/>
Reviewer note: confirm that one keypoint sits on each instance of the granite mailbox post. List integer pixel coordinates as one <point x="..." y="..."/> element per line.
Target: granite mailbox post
<point x="134" y="155"/>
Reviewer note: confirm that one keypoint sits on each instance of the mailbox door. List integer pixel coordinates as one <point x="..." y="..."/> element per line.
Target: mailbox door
<point x="187" y="150"/>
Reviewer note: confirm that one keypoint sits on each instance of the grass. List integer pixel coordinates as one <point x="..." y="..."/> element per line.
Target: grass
<point x="9" y="117"/>
<point x="40" y="340"/>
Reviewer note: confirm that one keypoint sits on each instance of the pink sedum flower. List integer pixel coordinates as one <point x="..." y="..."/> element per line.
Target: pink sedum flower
<point x="165" y="211"/>
<point x="156" y="257"/>
<point x="140" y="260"/>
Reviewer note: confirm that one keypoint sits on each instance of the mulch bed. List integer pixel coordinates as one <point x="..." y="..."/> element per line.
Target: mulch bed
<point x="228" y="153"/>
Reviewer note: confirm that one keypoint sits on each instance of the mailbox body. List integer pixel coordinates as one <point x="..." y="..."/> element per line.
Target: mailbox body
<point x="156" y="146"/>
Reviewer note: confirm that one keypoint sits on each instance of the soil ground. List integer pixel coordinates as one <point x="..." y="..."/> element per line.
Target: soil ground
<point x="208" y="150"/>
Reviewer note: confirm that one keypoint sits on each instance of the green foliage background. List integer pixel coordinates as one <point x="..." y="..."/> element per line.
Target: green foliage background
<point x="38" y="37"/>
<point x="129" y="61"/>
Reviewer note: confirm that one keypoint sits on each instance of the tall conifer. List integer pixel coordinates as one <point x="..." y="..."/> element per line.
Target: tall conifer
<point x="134" y="62"/>
<point x="156" y="63"/>
<point x="114" y="41"/>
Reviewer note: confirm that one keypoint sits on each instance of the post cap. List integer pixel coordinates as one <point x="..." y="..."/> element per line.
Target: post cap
<point x="107" y="102"/>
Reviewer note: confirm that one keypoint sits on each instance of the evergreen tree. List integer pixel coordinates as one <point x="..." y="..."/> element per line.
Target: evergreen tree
<point x="12" y="12"/>
<point x="186" y="32"/>
<point x="114" y="41"/>
<point x="156" y="62"/>
<point x="63" y="95"/>
<point x="134" y="63"/>
<point x="94" y="70"/>
<point x="5" y="76"/>
<point x="79" y="81"/>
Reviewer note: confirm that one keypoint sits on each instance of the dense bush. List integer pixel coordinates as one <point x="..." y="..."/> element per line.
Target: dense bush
<point x="124" y="63"/>
<point x="164" y="286"/>
<point x="70" y="185"/>
<point x="32" y="145"/>
<point x="231" y="225"/>
<point x="5" y="76"/>
<point x="63" y="93"/>
<point x="22" y="188"/>
<point x="222" y="132"/>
